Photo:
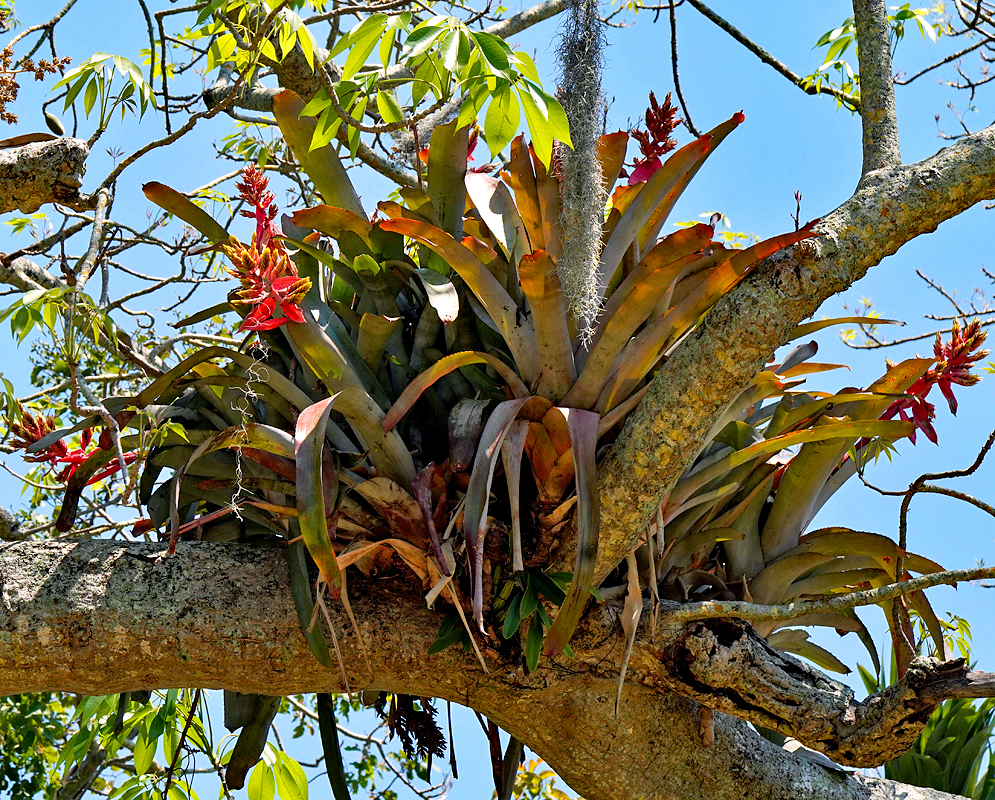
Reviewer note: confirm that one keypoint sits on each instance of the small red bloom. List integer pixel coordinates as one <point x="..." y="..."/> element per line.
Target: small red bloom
<point x="656" y="140"/>
<point x="34" y="427"/>
<point x="954" y="361"/>
<point x="254" y="191"/>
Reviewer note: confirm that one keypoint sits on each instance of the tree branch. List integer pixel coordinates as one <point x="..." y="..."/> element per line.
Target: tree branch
<point x="877" y="89"/>
<point x="43" y="172"/>
<point x="741" y="332"/>
<point x="125" y="617"/>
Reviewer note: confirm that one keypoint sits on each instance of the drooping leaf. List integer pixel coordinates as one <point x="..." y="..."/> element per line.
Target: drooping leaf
<point x="309" y="441"/>
<point x="511" y="456"/>
<point x="333" y="221"/>
<point x="796" y="641"/>
<point x="583" y="427"/>
<point x="478" y="494"/>
<point x="772" y="582"/>
<point x="443" y="367"/>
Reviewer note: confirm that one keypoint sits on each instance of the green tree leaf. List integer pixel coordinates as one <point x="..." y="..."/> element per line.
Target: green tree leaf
<point x="503" y="117"/>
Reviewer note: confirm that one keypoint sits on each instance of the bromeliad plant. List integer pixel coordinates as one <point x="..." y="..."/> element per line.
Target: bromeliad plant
<point x="751" y="493"/>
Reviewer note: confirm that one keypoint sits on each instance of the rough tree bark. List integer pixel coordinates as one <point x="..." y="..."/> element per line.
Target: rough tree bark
<point x="101" y="617"/>
<point x="43" y="172"/>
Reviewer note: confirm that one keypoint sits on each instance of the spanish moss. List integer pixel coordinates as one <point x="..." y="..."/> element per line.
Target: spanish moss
<point x="583" y="191"/>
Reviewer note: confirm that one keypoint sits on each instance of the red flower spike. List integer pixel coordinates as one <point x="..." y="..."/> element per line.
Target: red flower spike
<point x="269" y="282"/>
<point x="253" y="190"/>
<point x="656" y="140"/>
<point x="955" y="359"/>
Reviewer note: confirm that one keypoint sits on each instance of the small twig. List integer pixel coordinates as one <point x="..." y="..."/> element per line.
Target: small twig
<point x="677" y="80"/>
<point x="847" y="99"/>
<point x="681" y="614"/>
<point x="179" y="744"/>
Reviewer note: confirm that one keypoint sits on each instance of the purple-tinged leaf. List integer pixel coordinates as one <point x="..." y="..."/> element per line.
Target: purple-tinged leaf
<point x="421" y="485"/>
<point x="583" y="427"/>
<point x="511" y="456"/>
<point x="478" y="495"/>
<point x="309" y="440"/>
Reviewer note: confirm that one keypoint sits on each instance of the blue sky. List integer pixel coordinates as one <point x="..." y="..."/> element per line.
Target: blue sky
<point x="789" y="142"/>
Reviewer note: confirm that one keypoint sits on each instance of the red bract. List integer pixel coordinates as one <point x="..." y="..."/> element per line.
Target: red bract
<point x="954" y="361"/>
<point x="956" y="358"/>
<point x="656" y="140"/>
<point x="34" y="427"/>
<point x="269" y="278"/>
<point x="269" y="282"/>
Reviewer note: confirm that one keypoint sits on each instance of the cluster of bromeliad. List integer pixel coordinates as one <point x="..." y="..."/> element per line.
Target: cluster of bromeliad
<point x="450" y="301"/>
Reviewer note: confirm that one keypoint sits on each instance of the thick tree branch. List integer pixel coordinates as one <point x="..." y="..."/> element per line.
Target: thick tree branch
<point x="878" y="118"/>
<point x="43" y="172"/>
<point x="101" y="617"/>
<point x="715" y="363"/>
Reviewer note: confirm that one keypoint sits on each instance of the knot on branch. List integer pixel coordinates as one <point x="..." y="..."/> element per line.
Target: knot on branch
<point x="43" y="172"/>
